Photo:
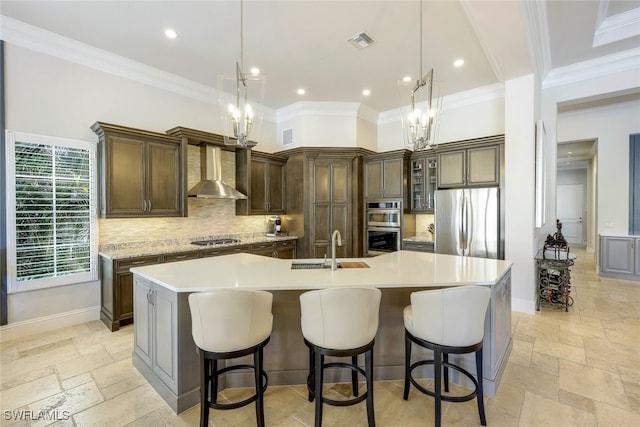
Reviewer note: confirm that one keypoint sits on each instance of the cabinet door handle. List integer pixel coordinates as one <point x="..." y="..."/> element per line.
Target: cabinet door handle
<point x="148" y="205"/>
<point x="144" y="206"/>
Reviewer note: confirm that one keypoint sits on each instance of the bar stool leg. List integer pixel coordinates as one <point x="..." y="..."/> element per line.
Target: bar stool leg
<point x="213" y="374"/>
<point x="480" y="395"/>
<point x="204" y="391"/>
<point x="437" y="367"/>
<point x="446" y="372"/>
<point x="407" y="363"/>
<point x="354" y="376"/>
<point x="257" y="364"/>
<point x="312" y="371"/>
<point x="369" y="376"/>
<point x="319" y="362"/>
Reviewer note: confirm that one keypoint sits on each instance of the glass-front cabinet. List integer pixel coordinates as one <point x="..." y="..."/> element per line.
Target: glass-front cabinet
<point x="423" y="184"/>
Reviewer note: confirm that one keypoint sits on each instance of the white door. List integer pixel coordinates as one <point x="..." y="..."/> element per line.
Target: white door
<point x="570" y="207"/>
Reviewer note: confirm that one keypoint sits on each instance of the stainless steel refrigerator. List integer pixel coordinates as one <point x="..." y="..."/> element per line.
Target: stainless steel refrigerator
<point x="468" y="222"/>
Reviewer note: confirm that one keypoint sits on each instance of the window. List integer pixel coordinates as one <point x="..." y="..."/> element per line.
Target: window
<point x="51" y="220"/>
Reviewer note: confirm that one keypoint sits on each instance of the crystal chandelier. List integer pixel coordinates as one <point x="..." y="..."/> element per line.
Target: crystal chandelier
<point x="421" y="111"/>
<point x="242" y="115"/>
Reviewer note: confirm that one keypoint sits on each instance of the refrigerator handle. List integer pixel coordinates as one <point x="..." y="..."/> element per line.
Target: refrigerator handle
<point x="465" y="224"/>
<point x="461" y="229"/>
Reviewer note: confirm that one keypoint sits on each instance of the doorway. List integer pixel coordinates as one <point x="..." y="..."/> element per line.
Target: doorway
<point x="571" y="212"/>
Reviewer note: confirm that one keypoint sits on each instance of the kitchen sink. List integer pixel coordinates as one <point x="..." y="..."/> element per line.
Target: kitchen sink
<point x="322" y="266"/>
<point x="309" y="265"/>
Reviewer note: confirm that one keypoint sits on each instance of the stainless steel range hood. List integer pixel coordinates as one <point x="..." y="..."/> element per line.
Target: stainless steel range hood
<point x="211" y="185"/>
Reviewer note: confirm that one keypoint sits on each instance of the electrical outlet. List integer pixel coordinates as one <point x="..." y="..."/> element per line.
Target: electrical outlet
<point x="608" y="225"/>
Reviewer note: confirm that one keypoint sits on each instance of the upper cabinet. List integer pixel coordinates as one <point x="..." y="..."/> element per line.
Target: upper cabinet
<point x="470" y="165"/>
<point x="423" y="183"/>
<point x="141" y="173"/>
<point x="385" y="174"/>
<point x="261" y="177"/>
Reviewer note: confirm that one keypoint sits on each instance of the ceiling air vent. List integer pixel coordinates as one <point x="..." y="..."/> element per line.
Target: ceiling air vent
<point x="287" y="137"/>
<point x="361" y="41"/>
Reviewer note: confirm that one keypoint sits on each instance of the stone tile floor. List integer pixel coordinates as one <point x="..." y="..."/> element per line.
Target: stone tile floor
<point x="580" y="368"/>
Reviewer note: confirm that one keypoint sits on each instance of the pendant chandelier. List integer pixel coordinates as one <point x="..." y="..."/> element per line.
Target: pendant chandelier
<point x="241" y="113"/>
<point x="421" y="109"/>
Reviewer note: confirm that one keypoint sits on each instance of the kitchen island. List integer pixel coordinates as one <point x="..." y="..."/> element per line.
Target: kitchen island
<point x="164" y="351"/>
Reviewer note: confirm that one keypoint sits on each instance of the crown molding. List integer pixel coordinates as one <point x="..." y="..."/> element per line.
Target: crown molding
<point x="627" y="60"/>
<point x="33" y="38"/>
<point x="321" y="109"/>
<point x="617" y="27"/>
<point x="534" y="15"/>
<point x="453" y="101"/>
<point x="491" y="58"/>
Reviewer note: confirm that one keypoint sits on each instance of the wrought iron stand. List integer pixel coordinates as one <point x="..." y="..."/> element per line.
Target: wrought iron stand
<point x="554" y="271"/>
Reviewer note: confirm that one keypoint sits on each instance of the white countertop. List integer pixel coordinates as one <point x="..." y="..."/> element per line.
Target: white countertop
<point x="399" y="269"/>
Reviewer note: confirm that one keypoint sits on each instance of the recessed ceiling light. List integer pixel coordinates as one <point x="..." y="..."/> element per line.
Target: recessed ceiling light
<point x="458" y="63"/>
<point x="569" y="152"/>
<point x="170" y="33"/>
<point x="255" y="71"/>
<point x="301" y="91"/>
<point x="568" y="163"/>
<point x="406" y="79"/>
<point x="366" y="92"/>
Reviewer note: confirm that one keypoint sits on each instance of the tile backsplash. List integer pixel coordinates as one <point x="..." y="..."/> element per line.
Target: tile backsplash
<point x="423" y="221"/>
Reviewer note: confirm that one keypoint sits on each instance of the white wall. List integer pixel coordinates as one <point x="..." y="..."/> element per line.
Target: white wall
<point x="52" y="96"/>
<point x="467" y="115"/>
<point x="520" y="233"/>
<point x="611" y="125"/>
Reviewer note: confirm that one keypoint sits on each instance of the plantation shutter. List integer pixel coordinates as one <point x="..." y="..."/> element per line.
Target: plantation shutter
<point x="52" y="212"/>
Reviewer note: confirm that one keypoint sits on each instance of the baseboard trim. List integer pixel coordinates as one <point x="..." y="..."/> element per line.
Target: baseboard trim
<point x="524" y="306"/>
<point x="25" y="328"/>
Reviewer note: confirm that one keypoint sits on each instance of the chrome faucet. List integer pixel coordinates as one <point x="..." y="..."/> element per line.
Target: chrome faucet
<point x="334" y="264"/>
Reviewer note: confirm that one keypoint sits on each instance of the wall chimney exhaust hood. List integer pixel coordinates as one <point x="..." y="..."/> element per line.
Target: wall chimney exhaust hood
<point x="211" y="185"/>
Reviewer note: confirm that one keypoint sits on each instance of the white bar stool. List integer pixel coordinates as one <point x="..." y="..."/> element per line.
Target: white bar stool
<point x="340" y="322"/>
<point x="447" y="321"/>
<point x="227" y="324"/>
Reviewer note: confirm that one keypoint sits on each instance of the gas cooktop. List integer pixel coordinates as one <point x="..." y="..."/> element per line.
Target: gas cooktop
<point x="214" y="242"/>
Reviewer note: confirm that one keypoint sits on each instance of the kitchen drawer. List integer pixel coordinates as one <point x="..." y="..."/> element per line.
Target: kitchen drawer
<point x="418" y="246"/>
<point x="224" y="251"/>
<point x="127" y="263"/>
<point x="181" y="256"/>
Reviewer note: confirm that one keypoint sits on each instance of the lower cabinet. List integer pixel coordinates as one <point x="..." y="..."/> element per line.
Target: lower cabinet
<point x="117" y="288"/>
<point x="620" y="257"/>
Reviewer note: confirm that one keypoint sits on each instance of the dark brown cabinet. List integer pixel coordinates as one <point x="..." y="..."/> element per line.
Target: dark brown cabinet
<point x="141" y="173"/>
<point x="474" y="166"/>
<point x="283" y="250"/>
<point x="331" y="206"/>
<point x="325" y="192"/>
<point x="261" y="177"/>
<point x="385" y="174"/>
<point x="117" y="288"/>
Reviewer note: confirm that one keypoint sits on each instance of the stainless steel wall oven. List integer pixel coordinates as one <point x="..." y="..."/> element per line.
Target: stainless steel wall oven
<point x="384" y="232"/>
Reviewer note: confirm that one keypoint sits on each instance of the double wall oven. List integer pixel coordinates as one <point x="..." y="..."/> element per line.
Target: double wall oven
<point x="384" y="227"/>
